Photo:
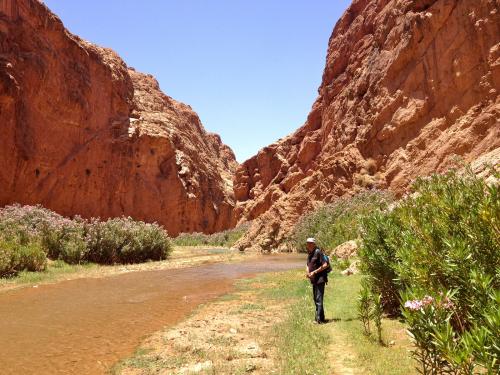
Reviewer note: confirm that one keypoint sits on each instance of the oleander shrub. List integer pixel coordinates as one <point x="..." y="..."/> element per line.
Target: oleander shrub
<point x="191" y="239"/>
<point x="60" y="237"/>
<point x="16" y="257"/>
<point x="379" y="258"/>
<point x="437" y="251"/>
<point x="105" y="239"/>
<point x="64" y="239"/>
<point x="26" y="218"/>
<point x="124" y="240"/>
<point x="31" y="231"/>
<point x="337" y="222"/>
<point x="443" y="237"/>
<point x="442" y="349"/>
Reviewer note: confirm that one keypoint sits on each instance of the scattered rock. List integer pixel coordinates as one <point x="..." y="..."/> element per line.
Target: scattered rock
<point x="352" y="270"/>
<point x="346" y="250"/>
<point x="250" y="367"/>
<point x="252" y="350"/>
<point x="197" y="368"/>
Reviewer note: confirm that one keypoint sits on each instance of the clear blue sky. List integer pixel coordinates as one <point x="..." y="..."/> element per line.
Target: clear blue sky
<point x="249" y="68"/>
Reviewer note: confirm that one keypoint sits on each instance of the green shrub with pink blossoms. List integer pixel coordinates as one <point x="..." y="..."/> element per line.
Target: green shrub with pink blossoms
<point x="434" y="257"/>
<point x="29" y="235"/>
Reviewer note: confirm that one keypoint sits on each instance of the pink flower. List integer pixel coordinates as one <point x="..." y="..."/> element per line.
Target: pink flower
<point x="447" y="303"/>
<point x="419" y="304"/>
<point x="427" y="300"/>
<point x="414" y="305"/>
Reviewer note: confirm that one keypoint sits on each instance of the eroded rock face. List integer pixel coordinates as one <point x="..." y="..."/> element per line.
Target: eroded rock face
<point x="408" y="86"/>
<point x="81" y="133"/>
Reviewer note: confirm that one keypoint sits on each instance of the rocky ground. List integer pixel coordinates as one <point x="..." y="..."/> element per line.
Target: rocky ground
<point x="266" y="327"/>
<point x="230" y="336"/>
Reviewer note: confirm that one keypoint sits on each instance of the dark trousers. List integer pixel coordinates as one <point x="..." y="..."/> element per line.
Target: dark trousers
<point x="318" y="293"/>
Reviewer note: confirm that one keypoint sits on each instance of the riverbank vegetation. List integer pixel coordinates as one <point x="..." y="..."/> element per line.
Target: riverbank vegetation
<point x="435" y="259"/>
<point x="225" y="238"/>
<point x="431" y="259"/>
<point x="338" y="222"/>
<point x="30" y="236"/>
<point x="180" y="257"/>
<point x="266" y="327"/>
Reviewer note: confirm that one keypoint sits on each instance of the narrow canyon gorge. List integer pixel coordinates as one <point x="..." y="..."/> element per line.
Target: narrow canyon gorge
<point x="409" y="86"/>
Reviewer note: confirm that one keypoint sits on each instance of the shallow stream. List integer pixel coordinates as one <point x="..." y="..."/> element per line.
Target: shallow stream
<point x="84" y="326"/>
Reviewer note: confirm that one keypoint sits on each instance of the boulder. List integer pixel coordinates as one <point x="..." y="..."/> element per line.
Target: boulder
<point x="346" y="250"/>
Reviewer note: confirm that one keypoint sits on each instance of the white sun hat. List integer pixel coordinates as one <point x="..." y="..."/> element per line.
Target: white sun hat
<point x="311" y="240"/>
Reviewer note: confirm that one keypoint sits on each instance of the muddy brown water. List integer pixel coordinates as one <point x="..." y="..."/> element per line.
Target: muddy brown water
<point x="84" y="326"/>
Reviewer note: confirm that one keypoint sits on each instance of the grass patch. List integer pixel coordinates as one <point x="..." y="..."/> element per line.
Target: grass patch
<point x="52" y="272"/>
<point x="297" y="338"/>
<point x="251" y="307"/>
<point x="306" y="348"/>
<point x="346" y="333"/>
<point x="149" y="364"/>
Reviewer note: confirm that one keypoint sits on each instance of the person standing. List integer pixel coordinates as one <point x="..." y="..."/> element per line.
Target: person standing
<point x="316" y="273"/>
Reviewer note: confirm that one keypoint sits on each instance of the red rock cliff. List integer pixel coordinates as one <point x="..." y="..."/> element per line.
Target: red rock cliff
<point x="407" y="85"/>
<point x="82" y="134"/>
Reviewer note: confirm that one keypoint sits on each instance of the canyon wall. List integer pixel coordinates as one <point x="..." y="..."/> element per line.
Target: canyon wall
<point x="408" y="86"/>
<point x="81" y="133"/>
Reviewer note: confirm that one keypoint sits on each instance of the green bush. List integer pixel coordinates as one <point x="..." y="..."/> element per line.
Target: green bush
<point x="439" y="348"/>
<point x="335" y="223"/>
<point x="124" y="240"/>
<point x="226" y="238"/>
<point x="28" y="219"/>
<point x="445" y="237"/>
<point x="146" y="242"/>
<point x="64" y="239"/>
<point x="105" y="240"/>
<point x="31" y="234"/>
<point x="379" y="259"/>
<point x="442" y="240"/>
<point x="16" y="257"/>
<point x="191" y="239"/>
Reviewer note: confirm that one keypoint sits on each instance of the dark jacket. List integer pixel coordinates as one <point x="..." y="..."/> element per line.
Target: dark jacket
<point x="315" y="260"/>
